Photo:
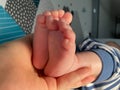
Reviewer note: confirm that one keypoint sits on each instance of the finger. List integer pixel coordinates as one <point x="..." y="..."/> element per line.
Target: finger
<point x="51" y="83"/>
<point x="69" y="80"/>
<point x="84" y="82"/>
<point x="88" y="79"/>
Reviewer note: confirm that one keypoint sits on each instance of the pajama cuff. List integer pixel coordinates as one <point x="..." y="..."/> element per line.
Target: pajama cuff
<point x="107" y="64"/>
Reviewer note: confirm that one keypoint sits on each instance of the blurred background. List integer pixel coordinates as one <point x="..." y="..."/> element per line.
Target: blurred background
<point x="99" y="19"/>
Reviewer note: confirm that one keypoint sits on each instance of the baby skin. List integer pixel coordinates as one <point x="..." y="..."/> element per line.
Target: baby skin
<point x="54" y="44"/>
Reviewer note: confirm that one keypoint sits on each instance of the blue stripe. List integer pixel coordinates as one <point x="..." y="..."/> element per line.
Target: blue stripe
<point x="10" y="39"/>
<point x="9" y="29"/>
<point x="3" y="24"/>
<point x="104" y="83"/>
<point x="10" y="35"/>
<point x="113" y="85"/>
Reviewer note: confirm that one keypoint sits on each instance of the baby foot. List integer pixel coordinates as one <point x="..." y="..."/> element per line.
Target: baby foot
<point x="61" y="47"/>
<point x="40" y="40"/>
<point x="40" y="44"/>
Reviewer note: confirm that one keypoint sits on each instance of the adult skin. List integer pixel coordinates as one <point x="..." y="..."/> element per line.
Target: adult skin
<point x="18" y="73"/>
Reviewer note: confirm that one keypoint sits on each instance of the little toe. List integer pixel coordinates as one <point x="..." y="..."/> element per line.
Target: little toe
<point x="67" y="17"/>
<point x="40" y="20"/>
<point x="47" y="13"/>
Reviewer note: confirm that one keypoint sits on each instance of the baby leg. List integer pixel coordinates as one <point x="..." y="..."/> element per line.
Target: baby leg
<point x="40" y="40"/>
<point x="61" y="45"/>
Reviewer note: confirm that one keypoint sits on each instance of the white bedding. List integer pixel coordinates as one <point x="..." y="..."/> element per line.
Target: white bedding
<point x="3" y="2"/>
<point x="109" y="39"/>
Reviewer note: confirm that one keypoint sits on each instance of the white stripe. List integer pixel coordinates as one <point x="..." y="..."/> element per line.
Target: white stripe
<point x="85" y="42"/>
<point x="116" y="87"/>
<point x="108" y="85"/>
<point x="6" y="18"/>
<point x="8" y="26"/>
<point x="8" y="23"/>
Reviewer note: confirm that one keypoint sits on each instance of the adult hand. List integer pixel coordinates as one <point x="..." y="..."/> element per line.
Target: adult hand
<point x="18" y="73"/>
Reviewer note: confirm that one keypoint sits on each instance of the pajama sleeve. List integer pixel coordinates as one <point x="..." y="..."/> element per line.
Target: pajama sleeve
<point x="109" y="79"/>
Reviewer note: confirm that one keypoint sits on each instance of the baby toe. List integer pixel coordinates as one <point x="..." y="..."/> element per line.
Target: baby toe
<point x="67" y="17"/>
<point x="55" y="14"/>
<point x="47" y="13"/>
<point x="51" y="23"/>
<point x="40" y="19"/>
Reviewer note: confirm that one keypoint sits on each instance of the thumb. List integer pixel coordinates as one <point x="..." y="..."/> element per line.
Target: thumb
<point x="75" y="79"/>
